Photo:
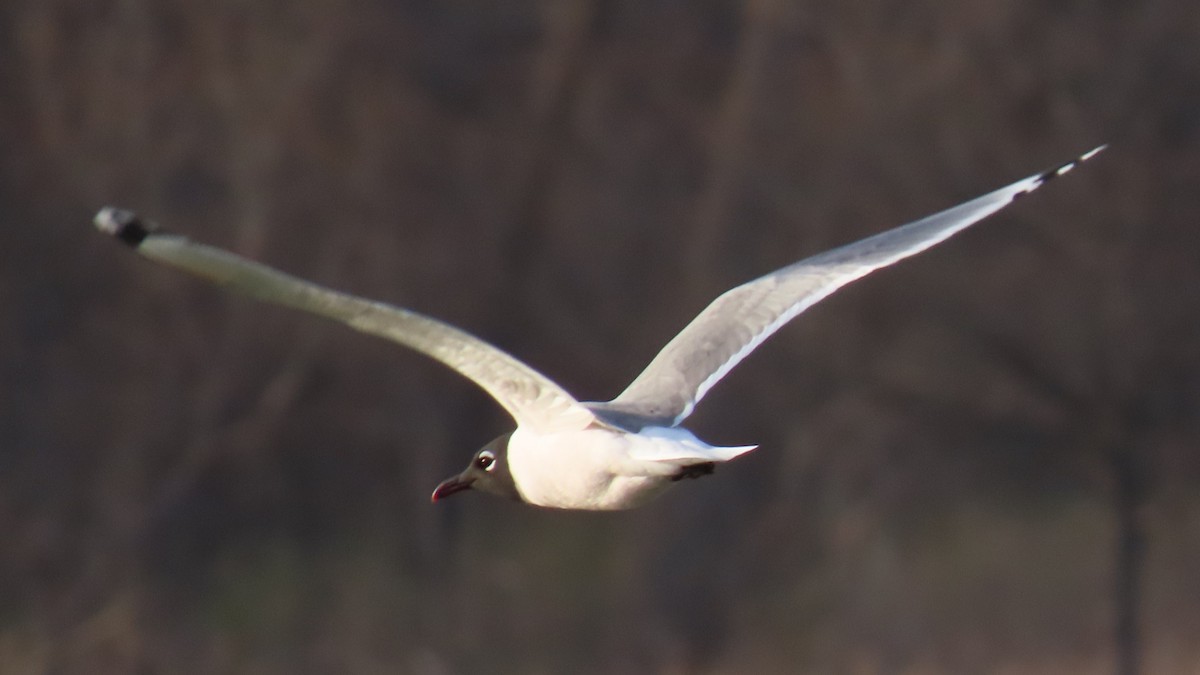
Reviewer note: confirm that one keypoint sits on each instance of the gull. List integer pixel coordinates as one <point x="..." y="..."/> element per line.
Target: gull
<point x="571" y="454"/>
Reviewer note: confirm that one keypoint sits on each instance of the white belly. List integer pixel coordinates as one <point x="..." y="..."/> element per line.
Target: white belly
<point x="602" y="469"/>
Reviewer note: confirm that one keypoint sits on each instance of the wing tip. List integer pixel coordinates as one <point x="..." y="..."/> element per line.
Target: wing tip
<point x="123" y="225"/>
<point x="1066" y="167"/>
<point x="1031" y="184"/>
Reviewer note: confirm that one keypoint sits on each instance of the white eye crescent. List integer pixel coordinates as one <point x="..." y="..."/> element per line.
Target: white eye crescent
<point x="486" y="460"/>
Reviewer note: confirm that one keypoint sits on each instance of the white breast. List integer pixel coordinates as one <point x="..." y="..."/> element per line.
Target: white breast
<point x="587" y="469"/>
<point x="604" y="469"/>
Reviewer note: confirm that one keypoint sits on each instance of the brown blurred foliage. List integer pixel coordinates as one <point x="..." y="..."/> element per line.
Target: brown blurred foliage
<point x="981" y="461"/>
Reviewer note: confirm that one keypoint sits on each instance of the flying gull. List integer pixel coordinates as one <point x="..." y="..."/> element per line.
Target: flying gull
<point x="571" y="454"/>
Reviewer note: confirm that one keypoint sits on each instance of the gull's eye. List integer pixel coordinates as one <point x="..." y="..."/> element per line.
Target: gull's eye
<point x="485" y="460"/>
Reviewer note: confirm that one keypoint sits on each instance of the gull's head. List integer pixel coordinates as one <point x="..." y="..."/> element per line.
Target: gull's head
<point x="487" y="472"/>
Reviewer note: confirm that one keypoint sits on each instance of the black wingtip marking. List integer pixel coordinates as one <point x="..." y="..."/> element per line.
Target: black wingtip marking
<point x="126" y="226"/>
<point x="1047" y="176"/>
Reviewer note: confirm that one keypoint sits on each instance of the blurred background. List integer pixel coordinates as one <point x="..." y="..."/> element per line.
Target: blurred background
<point x="982" y="460"/>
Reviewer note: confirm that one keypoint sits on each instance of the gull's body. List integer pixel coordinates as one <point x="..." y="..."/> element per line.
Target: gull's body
<point x="604" y="468"/>
<point x="590" y="455"/>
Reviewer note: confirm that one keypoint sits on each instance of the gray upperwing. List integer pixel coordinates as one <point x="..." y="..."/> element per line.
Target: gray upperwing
<point x="532" y="399"/>
<point x="739" y="320"/>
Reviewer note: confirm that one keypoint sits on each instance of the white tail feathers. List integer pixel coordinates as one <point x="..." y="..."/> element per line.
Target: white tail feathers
<point x="676" y="445"/>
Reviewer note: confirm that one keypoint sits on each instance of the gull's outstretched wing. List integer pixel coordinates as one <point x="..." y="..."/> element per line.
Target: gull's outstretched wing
<point x="739" y="320"/>
<point x="533" y="400"/>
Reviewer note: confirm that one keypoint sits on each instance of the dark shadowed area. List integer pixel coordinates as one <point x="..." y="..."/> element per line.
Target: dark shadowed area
<point x="983" y="460"/>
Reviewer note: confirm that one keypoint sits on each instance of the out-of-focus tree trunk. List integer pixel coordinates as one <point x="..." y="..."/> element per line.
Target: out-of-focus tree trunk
<point x="1129" y="497"/>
